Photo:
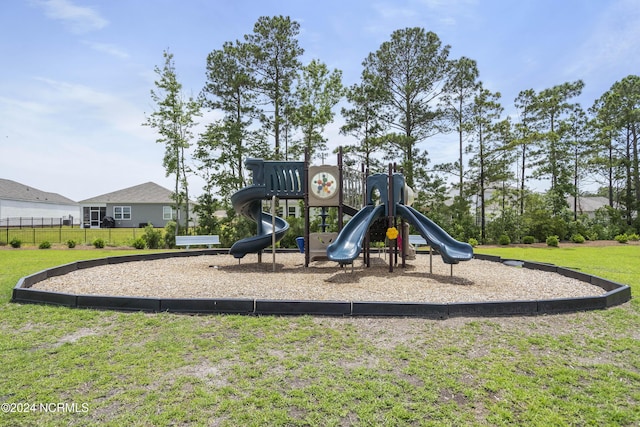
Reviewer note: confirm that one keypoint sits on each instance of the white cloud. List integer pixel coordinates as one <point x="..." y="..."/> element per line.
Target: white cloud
<point x="86" y="103"/>
<point x="434" y="15"/>
<point x="390" y="11"/>
<point x="108" y="48"/>
<point x="613" y="41"/>
<point x="80" y="141"/>
<point x="78" y="19"/>
<point x="80" y="171"/>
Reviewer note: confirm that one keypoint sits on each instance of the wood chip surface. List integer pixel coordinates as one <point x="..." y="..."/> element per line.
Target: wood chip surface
<point x="221" y="276"/>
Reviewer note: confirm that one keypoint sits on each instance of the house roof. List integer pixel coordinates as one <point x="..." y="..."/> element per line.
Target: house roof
<point x="589" y="203"/>
<point x="11" y="190"/>
<point x="148" y="192"/>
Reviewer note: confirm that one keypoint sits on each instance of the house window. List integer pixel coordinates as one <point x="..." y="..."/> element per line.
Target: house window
<point x="122" y="212"/>
<point x="168" y="213"/>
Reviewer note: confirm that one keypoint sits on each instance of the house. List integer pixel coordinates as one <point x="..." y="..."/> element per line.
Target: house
<point x="135" y="206"/>
<point x="21" y="204"/>
<point x="588" y="205"/>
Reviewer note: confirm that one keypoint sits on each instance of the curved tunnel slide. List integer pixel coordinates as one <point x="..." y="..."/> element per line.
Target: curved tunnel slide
<point x="248" y="202"/>
<point x="451" y="250"/>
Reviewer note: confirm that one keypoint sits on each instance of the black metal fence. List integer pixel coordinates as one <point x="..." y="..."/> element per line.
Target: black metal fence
<point x="86" y="236"/>
<point x="39" y="222"/>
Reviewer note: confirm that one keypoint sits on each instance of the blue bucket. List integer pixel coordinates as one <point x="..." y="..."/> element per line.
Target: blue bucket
<point x="300" y="243"/>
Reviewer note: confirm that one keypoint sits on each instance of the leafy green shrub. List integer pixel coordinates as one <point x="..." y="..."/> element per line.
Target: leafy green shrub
<point x="592" y="234"/>
<point x="622" y="238"/>
<point x="504" y="239"/>
<point x="71" y="243"/>
<point x="581" y="227"/>
<point x="505" y="224"/>
<point x="553" y="241"/>
<point x="170" y="234"/>
<point x="527" y="240"/>
<point x="577" y="238"/>
<point x="634" y="237"/>
<point x="138" y="243"/>
<point x="296" y="228"/>
<point x="99" y="243"/>
<point x="608" y="222"/>
<point x="44" y="245"/>
<point x="236" y="227"/>
<point x="152" y="237"/>
<point x="15" y="243"/>
<point x="473" y="242"/>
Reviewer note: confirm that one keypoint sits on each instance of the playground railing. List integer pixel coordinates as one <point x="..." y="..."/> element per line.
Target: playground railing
<point x="284" y="180"/>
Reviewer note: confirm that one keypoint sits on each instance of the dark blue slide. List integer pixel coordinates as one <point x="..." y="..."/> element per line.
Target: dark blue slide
<point x="248" y="202"/>
<point x="348" y="244"/>
<point x="451" y="250"/>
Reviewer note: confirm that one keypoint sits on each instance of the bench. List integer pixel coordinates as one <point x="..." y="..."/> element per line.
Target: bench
<point x="197" y="240"/>
<point x="417" y="240"/>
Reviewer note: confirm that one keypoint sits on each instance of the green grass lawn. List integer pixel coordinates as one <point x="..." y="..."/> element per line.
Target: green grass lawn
<point x="113" y="368"/>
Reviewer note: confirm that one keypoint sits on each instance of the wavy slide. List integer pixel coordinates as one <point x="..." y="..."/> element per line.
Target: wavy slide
<point x="248" y="202"/>
<point x="451" y="250"/>
<point x="347" y="246"/>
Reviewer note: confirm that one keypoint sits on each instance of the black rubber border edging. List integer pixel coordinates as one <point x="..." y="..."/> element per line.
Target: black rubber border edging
<point x="24" y="293"/>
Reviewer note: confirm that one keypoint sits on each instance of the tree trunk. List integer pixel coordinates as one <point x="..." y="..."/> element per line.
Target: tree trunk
<point x="482" y="207"/>
<point x="629" y="191"/>
<point x="185" y="184"/>
<point x="461" y="171"/>
<point x="575" y="186"/>
<point x="177" y="191"/>
<point x="522" y="179"/>
<point x="636" y="172"/>
<point x="610" y="174"/>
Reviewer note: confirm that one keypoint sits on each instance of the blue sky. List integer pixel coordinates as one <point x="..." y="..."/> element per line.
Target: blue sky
<point x="76" y="74"/>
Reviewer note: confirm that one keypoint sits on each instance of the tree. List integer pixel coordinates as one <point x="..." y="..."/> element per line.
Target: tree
<point x="318" y="91"/>
<point x="554" y="156"/>
<point x="628" y="94"/>
<point x="491" y="159"/>
<point x="526" y="135"/>
<point x="409" y="73"/>
<point x="605" y="159"/>
<point x="458" y="99"/>
<point x="618" y="114"/>
<point x="273" y="54"/>
<point x="576" y="130"/>
<point x="227" y="142"/>
<point x="174" y="121"/>
<point x="363" y="122"/>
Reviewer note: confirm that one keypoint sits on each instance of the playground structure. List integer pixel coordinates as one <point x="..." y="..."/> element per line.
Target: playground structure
<point x="384" y="198"/>
<point x="294" y="180"/>
<point x="328" y="186"/>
